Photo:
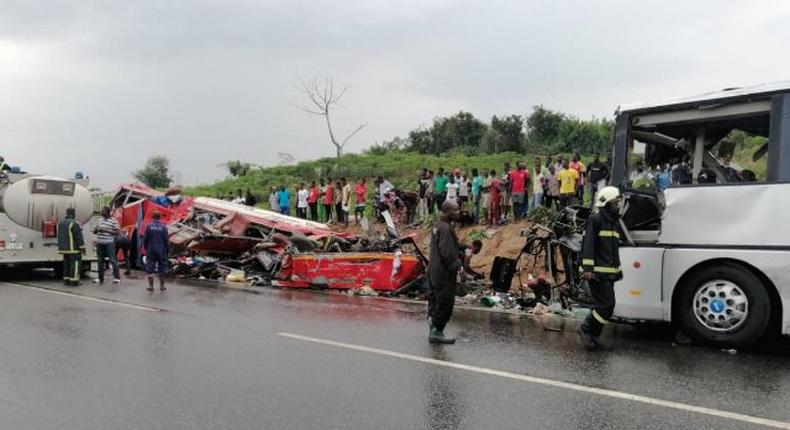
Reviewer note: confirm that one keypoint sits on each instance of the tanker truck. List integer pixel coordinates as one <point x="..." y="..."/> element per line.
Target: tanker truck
<point x="30" y="208"/>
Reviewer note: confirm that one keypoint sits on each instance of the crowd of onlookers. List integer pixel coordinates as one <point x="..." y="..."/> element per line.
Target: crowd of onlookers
<point x="491" y="197"/>
<point x="485" y="196"/>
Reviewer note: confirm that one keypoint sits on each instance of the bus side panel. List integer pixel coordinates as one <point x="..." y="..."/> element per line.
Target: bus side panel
<point x="639" y="293"/>
<point x="775" y="265"/>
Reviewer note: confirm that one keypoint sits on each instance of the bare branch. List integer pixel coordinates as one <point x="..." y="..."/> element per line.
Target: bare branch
<point x="361" y="126"/>
<point x="322" y="97"/>
<point x="306" y="109"/>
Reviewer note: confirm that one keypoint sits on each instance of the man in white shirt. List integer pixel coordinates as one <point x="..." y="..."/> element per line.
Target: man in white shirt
<point x="463" y="189"/>
<point x="301" y="202"/>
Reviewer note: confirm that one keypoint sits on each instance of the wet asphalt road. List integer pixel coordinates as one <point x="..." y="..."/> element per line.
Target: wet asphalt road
<point x="200" y="358"/>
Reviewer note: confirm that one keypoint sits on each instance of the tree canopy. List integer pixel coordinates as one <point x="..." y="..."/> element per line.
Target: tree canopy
<point x="156" y="173"/>
<point x="544" y="131"/>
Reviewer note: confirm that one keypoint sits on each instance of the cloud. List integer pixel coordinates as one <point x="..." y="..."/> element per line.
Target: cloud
<point x="100" y="86"/>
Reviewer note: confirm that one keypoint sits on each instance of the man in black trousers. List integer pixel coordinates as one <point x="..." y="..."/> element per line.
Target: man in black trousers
<point x="443" y="273"/>
<point x="71" y="245"/>
<point x="601" y="264"/>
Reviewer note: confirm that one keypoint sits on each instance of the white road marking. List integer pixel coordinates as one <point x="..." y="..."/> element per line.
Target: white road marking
<point x="558" y="384"/>
<point x="83" y="297"/>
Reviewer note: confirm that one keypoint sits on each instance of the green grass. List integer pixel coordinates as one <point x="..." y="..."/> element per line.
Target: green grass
<point x="401" y="168"/>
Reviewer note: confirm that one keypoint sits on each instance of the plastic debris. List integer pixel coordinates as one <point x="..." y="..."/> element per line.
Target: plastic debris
<point x="365" y="291"/>
<point x="581" y="313"/>
<point x="557" y="309"/>
<point x="540" y="309"/>
<point x="491" y="301"/>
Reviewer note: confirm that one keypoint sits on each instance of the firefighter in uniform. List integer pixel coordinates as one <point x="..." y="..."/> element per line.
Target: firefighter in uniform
<point x="601" y="263"/>
<point x="71" y="245"/>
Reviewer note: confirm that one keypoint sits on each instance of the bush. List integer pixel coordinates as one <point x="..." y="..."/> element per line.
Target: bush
<point x="542" y="215"/>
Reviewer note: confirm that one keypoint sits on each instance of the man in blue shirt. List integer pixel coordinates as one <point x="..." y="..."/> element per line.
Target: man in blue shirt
<point x="663" y="178"/>
<point x="284" y="198"/>
<point x="477" y="185"/>
<point x="156" y="242"/>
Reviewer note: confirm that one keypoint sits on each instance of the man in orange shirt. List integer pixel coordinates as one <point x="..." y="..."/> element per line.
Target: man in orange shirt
<point x="577" y="165"/>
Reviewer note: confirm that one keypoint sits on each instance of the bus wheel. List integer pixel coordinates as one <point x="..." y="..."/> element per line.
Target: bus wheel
<point x="724" y="305"/>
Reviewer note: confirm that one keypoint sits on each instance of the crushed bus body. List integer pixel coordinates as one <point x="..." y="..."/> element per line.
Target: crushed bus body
<point x="217" y="239"/>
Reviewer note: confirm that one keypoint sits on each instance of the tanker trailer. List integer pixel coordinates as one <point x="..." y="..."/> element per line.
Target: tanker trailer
<point x="30" y="208"/>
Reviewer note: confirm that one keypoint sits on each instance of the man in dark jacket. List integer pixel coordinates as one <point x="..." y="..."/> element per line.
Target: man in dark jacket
<point x="71" y="245"/>
<point x="156" y="242"/>
<point x="601" y="263"/>
<point x="596" y="172"/>
<point x="443" y="273"/>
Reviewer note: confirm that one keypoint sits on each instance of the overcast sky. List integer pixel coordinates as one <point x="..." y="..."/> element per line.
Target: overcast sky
<point x="99" y="86"/>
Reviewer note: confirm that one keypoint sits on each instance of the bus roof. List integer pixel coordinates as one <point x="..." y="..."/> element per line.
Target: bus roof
<point x="728" y="94"/>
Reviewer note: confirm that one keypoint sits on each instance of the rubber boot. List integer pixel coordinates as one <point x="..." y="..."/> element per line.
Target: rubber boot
<point x="587" y="340"/>
<point x="150" y="283"/>
<point x="437" y="336"/>
<point x="162" y="283"/>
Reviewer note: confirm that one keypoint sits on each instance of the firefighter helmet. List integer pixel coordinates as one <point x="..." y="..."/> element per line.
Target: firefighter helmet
<point x="606" y="195"/>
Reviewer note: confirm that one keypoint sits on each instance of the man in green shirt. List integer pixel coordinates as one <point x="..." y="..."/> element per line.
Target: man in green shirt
<point x="440" y="187"/>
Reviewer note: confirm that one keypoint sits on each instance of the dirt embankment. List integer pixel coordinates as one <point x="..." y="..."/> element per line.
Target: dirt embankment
<point x="505" y="241"/>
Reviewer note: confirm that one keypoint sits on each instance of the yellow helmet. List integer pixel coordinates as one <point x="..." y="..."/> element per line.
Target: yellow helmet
<point x="606" y="195"/>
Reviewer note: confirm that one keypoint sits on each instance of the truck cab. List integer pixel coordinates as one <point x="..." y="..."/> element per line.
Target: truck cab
<point x="709" y="248"/>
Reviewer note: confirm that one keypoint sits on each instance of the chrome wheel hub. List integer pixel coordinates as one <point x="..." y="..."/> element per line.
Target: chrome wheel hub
<point x="721" y="306"/>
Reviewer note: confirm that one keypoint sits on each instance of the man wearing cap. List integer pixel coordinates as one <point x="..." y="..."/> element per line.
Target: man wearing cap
<point x="156" y="242"/>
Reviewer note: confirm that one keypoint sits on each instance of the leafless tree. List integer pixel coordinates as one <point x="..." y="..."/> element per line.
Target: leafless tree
<point x="323" y="99"/>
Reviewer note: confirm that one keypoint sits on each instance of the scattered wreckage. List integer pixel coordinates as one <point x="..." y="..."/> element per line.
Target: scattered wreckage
<point x="217" y="239"/>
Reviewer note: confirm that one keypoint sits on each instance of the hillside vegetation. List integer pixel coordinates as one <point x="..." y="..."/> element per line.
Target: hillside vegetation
<point x="402" y="168"/>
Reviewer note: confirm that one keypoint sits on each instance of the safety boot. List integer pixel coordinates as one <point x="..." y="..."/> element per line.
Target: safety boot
<point x="437" y="336"/>
<point x="587" y="340"/>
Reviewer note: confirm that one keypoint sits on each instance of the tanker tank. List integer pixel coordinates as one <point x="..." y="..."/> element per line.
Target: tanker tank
<point x="30" y="200"/>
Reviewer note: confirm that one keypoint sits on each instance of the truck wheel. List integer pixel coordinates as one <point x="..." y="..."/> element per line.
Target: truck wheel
<point x="724" y="306"/>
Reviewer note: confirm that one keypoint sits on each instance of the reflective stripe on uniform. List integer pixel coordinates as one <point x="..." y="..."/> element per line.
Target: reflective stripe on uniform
<point x="609" y="233"/>
<point x="71" y="237"/>
<point x="599" y="318"/>
<point x="604" y="269"/>
<point x="77" y="268"/>
<point x="588" y="262"/>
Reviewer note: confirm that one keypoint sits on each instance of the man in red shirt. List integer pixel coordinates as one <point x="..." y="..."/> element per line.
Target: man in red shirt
<point x="518" y="189"/>
<point x="329" y="201"/>
<point x="312" y="201"/>
<point x="361" y="196"/>
<point x="493" y="211"/>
